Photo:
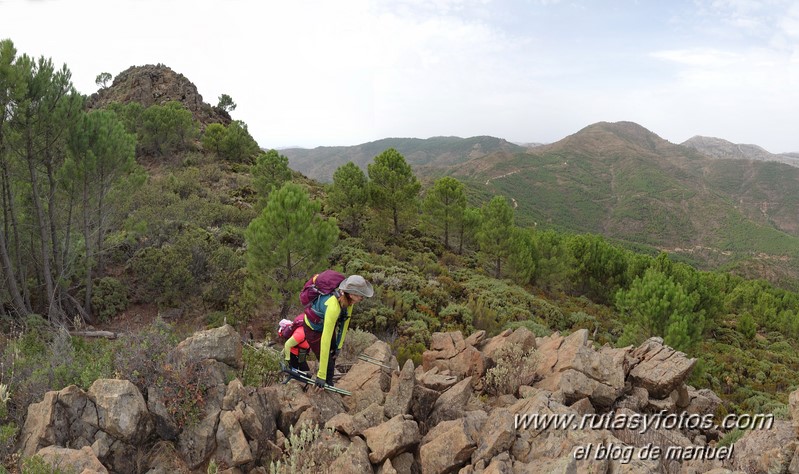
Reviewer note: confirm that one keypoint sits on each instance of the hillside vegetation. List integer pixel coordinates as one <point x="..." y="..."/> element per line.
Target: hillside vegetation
<point x="196" y="217"/>
<point x="626" y="183"/>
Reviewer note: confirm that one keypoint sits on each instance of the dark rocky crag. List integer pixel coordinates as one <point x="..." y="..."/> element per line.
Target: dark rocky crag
<point x="151" y="85"/>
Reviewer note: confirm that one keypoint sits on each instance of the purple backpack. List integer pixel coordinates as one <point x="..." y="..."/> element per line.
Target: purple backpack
<point x="321" y="284"/>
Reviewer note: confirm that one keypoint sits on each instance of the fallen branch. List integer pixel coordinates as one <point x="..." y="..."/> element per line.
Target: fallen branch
<point x="105" y="334"/>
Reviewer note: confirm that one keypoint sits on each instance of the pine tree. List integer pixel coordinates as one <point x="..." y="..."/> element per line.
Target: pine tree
<point x="348" y="196"/>
<point x="270" y="171"/>
<point x="661" y="307"/>
<point x="393" y="188"/>
<point x="495" y="235"/>
<point x="286" y="243"/>
<point x="444" y="205"/>
<point x="101" y="152"/>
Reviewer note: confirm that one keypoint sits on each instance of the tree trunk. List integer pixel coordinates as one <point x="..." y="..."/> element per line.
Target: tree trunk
<point x="47" y="275"/>
<point x="87" y="305"/>
<point x="11" y="278"/>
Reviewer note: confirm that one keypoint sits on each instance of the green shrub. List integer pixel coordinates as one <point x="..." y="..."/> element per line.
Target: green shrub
<point x="141" y="355"/>
<point x="513" y="368"/>
<point x="183" y="390"/>
<point x="37" y="465"/>
<point x="109" y="298"/>
<point x="261" y="366"/>
<point x="355" y="342"/>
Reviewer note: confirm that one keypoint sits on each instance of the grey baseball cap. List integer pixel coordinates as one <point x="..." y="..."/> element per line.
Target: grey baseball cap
<point x="357" y="285"/>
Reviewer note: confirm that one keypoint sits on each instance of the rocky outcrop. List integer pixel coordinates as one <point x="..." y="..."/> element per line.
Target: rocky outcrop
<point x="157" y="85"/>
<point x="428" y="419"/>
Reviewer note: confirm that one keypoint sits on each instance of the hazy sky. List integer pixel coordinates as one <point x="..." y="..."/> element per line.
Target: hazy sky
<point x="324" y="72"/>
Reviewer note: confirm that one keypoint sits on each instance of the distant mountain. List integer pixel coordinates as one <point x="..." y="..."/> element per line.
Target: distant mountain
<point x="422" y="154"/>
<point x="723" y="149"/>
<point x="625" y="182"/>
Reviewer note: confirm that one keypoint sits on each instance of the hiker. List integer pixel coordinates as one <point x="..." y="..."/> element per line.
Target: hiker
<point x="327" y="320"/>
<point x="296" y="347"/>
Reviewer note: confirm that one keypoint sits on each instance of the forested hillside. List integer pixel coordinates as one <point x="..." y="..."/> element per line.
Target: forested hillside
<point x="125" y="206"/>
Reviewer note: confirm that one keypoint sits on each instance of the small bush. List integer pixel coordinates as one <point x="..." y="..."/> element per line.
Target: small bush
<point x="307" y="450"/>
<point x="37" y="465"/>
<point x="110" y="297"/>
<point x="355" y="342"/>
<point x="261" y="366"/>
<point x="514" y="367"/>
<point x="183" y="392"/>
<point x="140" y="356"/>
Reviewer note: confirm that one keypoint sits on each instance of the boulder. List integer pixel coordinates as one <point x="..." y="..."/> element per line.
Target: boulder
<point x="766" y="450"/>
<point x="395" y="436"/>
<point x="573" y="367"/>
<point x="500" y="464"/>
<point x="76" y="460"/>
<point x="355" y="425"/>
<point x="121" y="410"/>
<point x="232" y="447"/>
<point x="495" y="437"/>
<point x="367" y="382"/>
<point x="447" y="447"/>
<point x="452" y="403"/>
<point x="793" y="408"/>
<point x="403" y="463"/>
<point x="422" y="404"/>
<point x="66" y="417"/>
<point x="449" y="351"/>
<point x="398" y="400"/>
<point x="196" y="443"/>
<point x="221" y="344"/>
<point x="355" y="459"/>
<point x="435" y="380"/>
<point x="660" y="369"/>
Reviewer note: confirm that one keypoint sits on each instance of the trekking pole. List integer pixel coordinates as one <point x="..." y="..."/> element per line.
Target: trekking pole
<point x="373" y="360"/>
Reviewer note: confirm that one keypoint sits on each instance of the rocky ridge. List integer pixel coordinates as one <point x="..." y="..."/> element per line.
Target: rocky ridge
<point x="432" y="419"/>
<point x="157" y="85"/>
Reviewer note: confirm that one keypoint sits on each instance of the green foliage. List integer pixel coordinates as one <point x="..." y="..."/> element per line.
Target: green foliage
<point x="444" y="205"/>
<point x="513" y="367"/>
<point x="261" y="367"/>
<point x="37" y="465"/>
<point x="555" y="265"/>
<point x="496" y="231"/>
<point x="285" y="244"/>
<point x="456" y="316"/>
<point x="110" y="298"/>
<point x="213" y="137"/>
<point x="661" y="307"/>
<point x="183" y="390"/>
<point x="307" y="450"/>
<point x="270" y="172"/>
<point x="348" y="196"/>
<point x="226" y="103"/>
<point x="412" y="352"/>
<point x="237" y="145"/>
<point x="747" y="325"/>
<point x="393" y="188"/>
<point x="522" y="255"/>
<point x="469" y="227"/>
<point x="142" y="355"/>
<point x="166" y="129"/>
<point x="731" y="438"/>
<point x="102" y="79"/>
<point x="355" y="342"/>
<point x="600" y="268"/>
<point x="41" y="357"/>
